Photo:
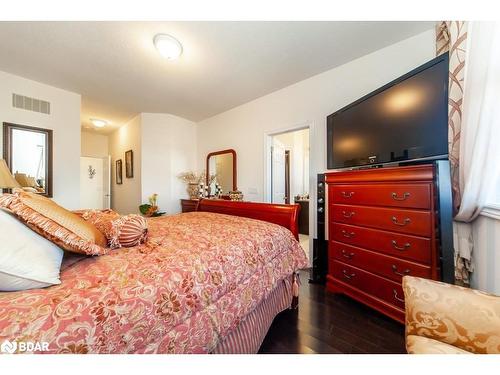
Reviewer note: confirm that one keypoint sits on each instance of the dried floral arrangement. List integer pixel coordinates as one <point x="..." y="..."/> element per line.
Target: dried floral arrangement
<point x="193" y="178"/>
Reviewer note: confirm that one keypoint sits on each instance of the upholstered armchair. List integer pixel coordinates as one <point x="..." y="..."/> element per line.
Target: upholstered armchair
<point x="448" y="319"/>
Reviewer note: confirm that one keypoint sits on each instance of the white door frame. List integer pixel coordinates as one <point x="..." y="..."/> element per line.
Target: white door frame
<point x="268" y="178"/>
<point x="268" y="143"/>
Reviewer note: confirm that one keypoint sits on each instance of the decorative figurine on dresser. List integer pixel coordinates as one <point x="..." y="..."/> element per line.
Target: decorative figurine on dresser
<point x="383" y="225"/>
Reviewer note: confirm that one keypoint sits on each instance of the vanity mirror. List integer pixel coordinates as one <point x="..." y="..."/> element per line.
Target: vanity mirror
<point x="28" y="153"/>
<point x="223" y="165"/>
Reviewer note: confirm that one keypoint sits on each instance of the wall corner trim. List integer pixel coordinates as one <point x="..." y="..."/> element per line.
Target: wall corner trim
<point x="492" y="211"/>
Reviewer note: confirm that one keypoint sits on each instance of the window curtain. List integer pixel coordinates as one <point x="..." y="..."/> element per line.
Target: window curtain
<point x="473" y="120"/>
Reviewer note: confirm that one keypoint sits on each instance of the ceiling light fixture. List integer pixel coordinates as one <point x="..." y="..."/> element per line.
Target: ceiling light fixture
<point x="169" y="47"/>
<point x="99" y="123"/>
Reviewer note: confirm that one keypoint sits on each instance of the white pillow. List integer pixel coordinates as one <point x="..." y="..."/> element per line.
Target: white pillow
<point x="27" y="260"/>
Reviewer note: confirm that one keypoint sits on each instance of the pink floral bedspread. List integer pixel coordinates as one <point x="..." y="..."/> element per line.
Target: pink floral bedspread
<point x="187" y="288"/>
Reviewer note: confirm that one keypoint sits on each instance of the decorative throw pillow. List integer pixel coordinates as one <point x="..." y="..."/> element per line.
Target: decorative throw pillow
<point x="121" y="231"/>
<point x="132" y="230"/>
<point x="27" y="260"/>
<point x="55" y="223"/>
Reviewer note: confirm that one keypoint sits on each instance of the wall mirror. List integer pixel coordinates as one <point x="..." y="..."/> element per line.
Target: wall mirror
<point x="28" y="153"/>
<point x="222" y="165"/>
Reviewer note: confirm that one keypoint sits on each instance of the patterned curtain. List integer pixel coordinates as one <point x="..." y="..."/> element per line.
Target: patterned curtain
<point x="451" y="36"/>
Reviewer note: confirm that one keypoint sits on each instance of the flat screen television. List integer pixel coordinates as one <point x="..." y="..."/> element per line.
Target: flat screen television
<point x="405" y="120"/>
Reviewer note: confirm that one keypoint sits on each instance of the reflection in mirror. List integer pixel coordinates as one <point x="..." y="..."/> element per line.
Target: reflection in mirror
<point x="222" y="165"/>
<point x="27" y="153"/>
<point x="28" y="158"/>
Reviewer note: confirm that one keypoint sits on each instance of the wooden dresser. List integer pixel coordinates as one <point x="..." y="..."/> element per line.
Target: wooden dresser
<point x="189" y="205"/>
<point x="382" y="226"/>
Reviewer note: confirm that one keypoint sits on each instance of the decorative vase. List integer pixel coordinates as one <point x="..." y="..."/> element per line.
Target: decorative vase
<point x="192" y="190"/>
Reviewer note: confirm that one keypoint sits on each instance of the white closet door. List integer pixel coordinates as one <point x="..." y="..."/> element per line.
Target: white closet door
<point x="92" y="189"/>
<point x="278" y="172"/>
<point x="106" y="181"/>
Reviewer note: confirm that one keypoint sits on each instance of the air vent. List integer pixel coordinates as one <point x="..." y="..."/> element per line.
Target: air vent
<point x="30" y="104"/>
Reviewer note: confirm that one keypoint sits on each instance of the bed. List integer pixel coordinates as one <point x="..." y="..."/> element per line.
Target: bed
<point x="209" y="281"/>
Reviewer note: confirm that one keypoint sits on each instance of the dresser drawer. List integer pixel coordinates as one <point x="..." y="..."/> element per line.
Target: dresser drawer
<point x="380" y="264"/>
<point x="396" y="220"/>
<point x="189" y="205"/>
<point x="391" y="195"/>
<point x="396" y="244"/>
<point x="377" y="286"/>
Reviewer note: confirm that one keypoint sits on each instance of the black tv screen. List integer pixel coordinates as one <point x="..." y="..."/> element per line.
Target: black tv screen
<point x="406" y="119"/>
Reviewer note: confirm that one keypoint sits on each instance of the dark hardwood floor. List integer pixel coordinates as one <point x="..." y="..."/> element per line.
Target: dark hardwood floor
<point x="331" y="323"/>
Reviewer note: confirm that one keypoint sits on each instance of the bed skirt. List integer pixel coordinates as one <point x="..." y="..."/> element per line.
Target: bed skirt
<point x="249" y="335"/>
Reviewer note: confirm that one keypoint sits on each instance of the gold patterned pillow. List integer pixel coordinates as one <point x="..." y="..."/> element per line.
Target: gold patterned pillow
<point x="465" y="318"/>
<point x="55" y="223"/>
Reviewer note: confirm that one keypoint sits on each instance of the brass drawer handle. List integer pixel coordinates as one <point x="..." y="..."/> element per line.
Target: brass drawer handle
<point x="347" y="255"/>
<point x="347" y="276"/>
<point x="396" y="296"/>
<point x="406" y="221"/>
<point x="348" y="215"/>
<point x="395" y="245"/>
<point x="348" y="234"/>
<point x="404" y="273"/>
<point x="347" y="195"/>
<point x="403" y="198"/>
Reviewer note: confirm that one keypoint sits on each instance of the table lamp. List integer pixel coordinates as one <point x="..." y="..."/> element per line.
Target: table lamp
<point x="7" y="181"/>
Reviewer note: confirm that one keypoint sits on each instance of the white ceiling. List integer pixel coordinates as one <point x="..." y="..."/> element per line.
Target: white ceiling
<point x="118" y="72"/>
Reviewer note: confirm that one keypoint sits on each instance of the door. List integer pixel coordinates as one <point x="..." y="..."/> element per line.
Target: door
<point x="278" y="177"/>
<point x="107" y="181"/>
<point x="94" y="183"/>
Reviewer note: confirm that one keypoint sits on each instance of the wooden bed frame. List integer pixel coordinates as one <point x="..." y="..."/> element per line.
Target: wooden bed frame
<point x="286" y="215"/>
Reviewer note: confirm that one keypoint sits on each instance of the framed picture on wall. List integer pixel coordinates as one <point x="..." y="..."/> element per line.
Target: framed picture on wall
<point x="129" y="164"/>
<point x="119" y="171"/>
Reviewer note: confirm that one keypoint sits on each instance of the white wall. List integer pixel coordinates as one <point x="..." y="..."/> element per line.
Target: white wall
<point x="64" y="120"/>
<point x="486" y="253"/>
<point x="168" y="148"/>
<point x="305" y="103"/>
<point x="94" y="145"/>
<point x="164" y="146"/>
<point x="126" y="198"/>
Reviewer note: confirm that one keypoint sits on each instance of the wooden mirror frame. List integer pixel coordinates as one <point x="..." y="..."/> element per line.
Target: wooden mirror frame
<point x="7" y="151"/>
<point x="228" y="151"/>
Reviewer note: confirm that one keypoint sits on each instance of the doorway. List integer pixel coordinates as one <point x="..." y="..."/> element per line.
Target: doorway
<point x="288" y="175"/>
<point x="95" y="183"/>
